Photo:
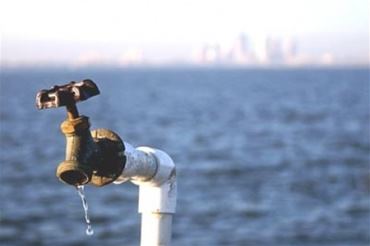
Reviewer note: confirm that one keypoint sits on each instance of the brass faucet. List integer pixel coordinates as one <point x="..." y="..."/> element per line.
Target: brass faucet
<point x="96" y="157"/>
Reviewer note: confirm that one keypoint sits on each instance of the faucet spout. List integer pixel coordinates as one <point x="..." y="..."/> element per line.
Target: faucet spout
<point x="70" y="173"/>
<point x="81" y="152"/>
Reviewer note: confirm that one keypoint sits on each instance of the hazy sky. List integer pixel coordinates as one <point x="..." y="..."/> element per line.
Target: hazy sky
<point x="44" y="30"/>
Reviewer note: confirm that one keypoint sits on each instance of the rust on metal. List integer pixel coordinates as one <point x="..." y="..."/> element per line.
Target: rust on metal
<point x="66" y="95"/>
<point x="72" y="126"/>
<point x="95" y="157"/>
<point x="112" y="157"/>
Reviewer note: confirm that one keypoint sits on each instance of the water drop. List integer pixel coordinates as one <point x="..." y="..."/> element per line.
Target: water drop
<point x="89" y="230"/>
<point x="81" y="192"/>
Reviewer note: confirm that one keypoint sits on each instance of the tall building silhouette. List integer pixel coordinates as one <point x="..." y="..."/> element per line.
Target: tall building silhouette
<point x="241" y="52"/>
<point x="274" y="52"/>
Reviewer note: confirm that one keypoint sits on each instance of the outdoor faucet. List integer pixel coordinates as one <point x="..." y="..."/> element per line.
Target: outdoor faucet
<point x="100" y="157"/>
<point x="95" y="157"/>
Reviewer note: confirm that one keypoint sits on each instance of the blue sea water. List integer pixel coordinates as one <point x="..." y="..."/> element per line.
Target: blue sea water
<point x="264" y="157"/>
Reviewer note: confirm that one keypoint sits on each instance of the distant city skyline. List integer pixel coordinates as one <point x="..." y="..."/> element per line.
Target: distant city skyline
<point x="123" y="33"/>
<point x="244" y="50"/>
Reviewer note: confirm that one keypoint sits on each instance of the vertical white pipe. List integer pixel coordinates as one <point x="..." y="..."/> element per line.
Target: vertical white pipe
<point x="157" y="204"/>
<point x="156" y="229"/>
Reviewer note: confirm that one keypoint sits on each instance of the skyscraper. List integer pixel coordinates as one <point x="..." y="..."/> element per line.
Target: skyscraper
<point x="241" y="52"/>
<point x="274" y="51"/>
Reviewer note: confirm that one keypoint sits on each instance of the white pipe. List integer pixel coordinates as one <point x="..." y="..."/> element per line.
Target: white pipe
<point x="154" y="172"/>
<point x="155" y="229"/>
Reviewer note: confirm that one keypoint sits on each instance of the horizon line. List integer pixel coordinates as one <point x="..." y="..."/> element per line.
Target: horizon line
<point x="185" y="66"/>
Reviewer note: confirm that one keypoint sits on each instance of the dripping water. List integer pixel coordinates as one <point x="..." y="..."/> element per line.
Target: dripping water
<point x="80" y="190"/>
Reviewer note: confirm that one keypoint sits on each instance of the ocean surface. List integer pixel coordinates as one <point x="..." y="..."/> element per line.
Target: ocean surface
<point x="264" y="157"/>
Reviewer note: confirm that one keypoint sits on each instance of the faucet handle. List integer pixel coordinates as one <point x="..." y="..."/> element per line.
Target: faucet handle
<point x="66" y="95"/>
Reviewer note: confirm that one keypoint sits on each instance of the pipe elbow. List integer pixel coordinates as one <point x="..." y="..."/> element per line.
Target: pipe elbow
<point x="166" y="169"/>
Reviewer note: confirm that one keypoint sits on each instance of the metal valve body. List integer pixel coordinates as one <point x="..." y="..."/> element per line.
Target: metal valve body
<point x="95" y="157"/>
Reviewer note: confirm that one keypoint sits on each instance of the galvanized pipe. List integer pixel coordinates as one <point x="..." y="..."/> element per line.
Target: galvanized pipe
<point x="140" y="166"/>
